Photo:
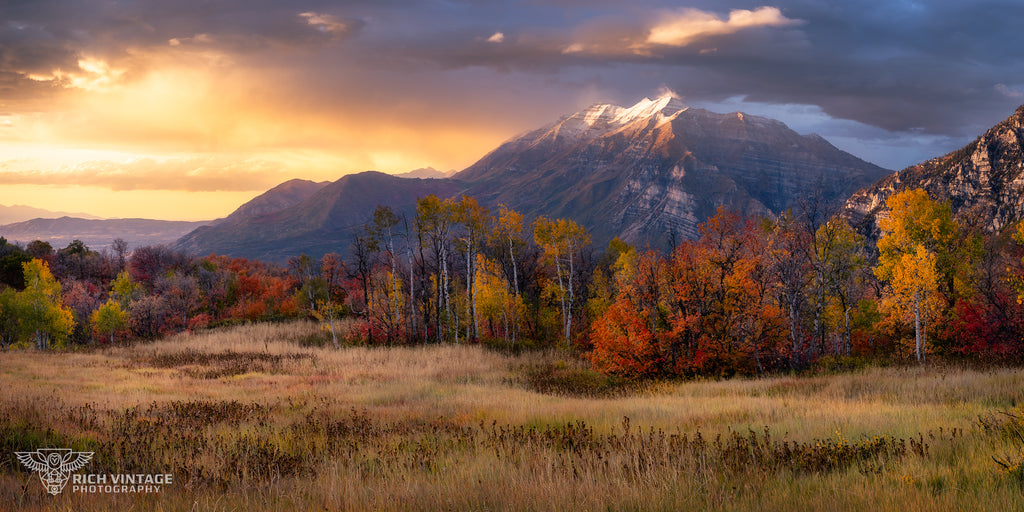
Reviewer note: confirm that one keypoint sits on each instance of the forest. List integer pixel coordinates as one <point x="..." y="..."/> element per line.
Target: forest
<point x="749" y="296"/>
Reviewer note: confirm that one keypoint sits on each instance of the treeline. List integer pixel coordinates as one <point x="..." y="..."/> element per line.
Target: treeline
<point x="749" y="296"/>
<point x="79" y="296"/>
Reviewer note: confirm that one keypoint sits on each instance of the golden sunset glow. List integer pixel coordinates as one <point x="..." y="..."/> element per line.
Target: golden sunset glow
<point x="132" y="108"/>
<point x="191" y="128"/>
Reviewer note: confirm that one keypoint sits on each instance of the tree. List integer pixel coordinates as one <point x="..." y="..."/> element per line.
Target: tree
<point x="11" y="267"/>
<point x="508" y="231"/>
<point x="914" y="285"/>
<point x="434" y="221"/>
<point x="561" y="240"/>
<point x="109" y="319"/>
<point x="328" y="312"/>
<point x="382" y="233"/>
<point x="39" y="249"/>
<point x="124" y="289"/>
<point x="150" y="262"/>
<point x="633" y="336"/>
<point x="43" y="317"/>
<point x="841" y="258"/>
<point x="10" y="312"/>
<point x="147" y="316"/>
<point x="915" y="258"/>
<point x="181" y="297"/>
<point x="791" y="266"/>
<point x="363" y="250"/>
<point x="120" y="248"/>
<point x="82" y="297"/>
<point x="498" y="306"/>
<point x="914" y="219"/>
<point x="476" y="221"/>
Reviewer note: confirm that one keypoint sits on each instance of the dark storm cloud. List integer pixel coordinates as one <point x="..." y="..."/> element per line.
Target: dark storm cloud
<point x="39" y="37"/>
<point x="942" y="67"/>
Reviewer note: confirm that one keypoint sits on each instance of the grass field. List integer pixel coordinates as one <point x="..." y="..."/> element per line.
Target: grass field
<point x="257" y="418"/>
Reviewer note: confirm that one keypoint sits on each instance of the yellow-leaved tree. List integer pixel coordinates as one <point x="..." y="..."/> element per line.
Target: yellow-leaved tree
<point x="914" y="287"/>
<point x="110" y="319"/>
<point x="561" y="241"/>
<point x="44" y="319"/>
<point x="499" y="308"/>
<point x="922" y="258"/>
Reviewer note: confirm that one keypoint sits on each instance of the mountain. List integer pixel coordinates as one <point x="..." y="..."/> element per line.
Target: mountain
<point x="660" y="167"/>
<point x="19" y="213"/>
<point x="644" y="173"/>
<point x="327" y="221"/>
<point x="983" y="181"/>
<point x="97" y="234"/>
<point x="289" y="193"/>
<point x="427" y="173"/>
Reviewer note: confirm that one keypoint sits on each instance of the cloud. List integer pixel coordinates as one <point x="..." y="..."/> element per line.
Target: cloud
<point x="329" y="24"/>
<point x="183" y="174"/>
<point x="93" y="45"/>
<point x="273" y="79"/>
<point x="669" y="29"/>
<point x="1012" y="93"/>
<point x="683" y="27"/>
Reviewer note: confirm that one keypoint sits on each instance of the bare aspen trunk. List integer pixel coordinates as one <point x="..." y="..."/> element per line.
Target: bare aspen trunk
<point x="568" y="313"/>
<point x="917" y="325"/>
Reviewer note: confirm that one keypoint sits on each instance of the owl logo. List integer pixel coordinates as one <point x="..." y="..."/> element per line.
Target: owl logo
<point x="54" y="465"/>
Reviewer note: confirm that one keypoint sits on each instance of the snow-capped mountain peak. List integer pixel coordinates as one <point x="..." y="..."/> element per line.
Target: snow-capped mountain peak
<point x="665" y="105"/>
<point x="603" y="118"/>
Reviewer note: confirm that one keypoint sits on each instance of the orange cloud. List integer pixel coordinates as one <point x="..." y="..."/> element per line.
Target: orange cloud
<point x="186" y="174"/>
<point x="685" y="26"/>
<point x="672" y="29"/>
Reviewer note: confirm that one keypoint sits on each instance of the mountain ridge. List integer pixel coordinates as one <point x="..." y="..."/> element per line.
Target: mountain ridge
<point x="983" y="181"/>
<point x="324" y="222"/>
<point x="21" y="213"/>
<point x="661" y="167"/>
<point x="647" y="173"/>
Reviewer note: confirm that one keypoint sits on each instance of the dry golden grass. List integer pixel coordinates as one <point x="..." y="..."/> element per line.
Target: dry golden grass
<point x="255" y="418"/>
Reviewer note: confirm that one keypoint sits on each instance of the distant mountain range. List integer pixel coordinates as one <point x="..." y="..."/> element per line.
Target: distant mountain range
<point x="324" y="222"/>
<point x="428" y="173"/>
<point x="98" y="233"/>
<point x="19" y="213"/>
<point x="983" y="181"/>
<point x="644" y="173"/>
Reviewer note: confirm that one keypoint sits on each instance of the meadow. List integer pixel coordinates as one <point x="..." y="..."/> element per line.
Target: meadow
<point x="272" y="417"/>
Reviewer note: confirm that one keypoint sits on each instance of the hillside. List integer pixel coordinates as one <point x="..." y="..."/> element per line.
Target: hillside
<point x="325" y="222"/>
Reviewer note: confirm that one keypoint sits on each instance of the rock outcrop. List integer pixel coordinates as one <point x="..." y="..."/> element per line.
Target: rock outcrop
<point x="983" y="182"/>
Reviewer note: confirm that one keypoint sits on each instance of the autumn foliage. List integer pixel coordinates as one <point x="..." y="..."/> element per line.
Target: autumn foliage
<point x="749" y="296"/>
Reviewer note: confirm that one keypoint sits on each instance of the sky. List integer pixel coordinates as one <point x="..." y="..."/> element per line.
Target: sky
<point x="185" y="109"/>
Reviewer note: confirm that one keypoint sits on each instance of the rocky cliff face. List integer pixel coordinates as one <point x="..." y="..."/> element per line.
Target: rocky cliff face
<point x="983" y="181"/>
<point x="659" y="168"/>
